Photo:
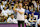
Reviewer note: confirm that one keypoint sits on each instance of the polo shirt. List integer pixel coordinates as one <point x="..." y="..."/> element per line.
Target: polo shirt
<point x="10" y="20"/>
<point x="9" y="11"/>
<point x="20" y="17"/>
<point x="4" y="13"/>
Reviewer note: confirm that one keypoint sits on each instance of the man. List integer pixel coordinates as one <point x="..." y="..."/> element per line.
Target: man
<point x="20" y="15"/>
<point x="11" y="19"/>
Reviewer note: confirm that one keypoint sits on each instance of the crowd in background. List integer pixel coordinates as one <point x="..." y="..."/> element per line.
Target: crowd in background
<point x="31" y="8"/>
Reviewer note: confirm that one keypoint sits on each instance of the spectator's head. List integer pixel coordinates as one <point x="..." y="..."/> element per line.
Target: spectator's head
<point x="29" y="15"/>
<point x="9" y="5"/>
<point x="32" y="6"/>
<point x="33" y="11"/>
<point x="25" y="16"/>
<point x="20" y="5"/>
<point x="17" y="2"/>
<point x="4" y="8"/>
<point x="27" y="7"/>
<point x="24" y="7"/>
<point x="21" y="1"/>
<point x="12" y="16"/>
<point x="2" y="3"/>
<point x="10" y="8"/>
<point x="16" y="5"/>
<point x="29" y="0"/>
<point x="25" y="4"/>
<point x="6" y="5"/>
<point x="32" y="14"/>
<point x="33" y="1"/>
<point x="37" y="2"/>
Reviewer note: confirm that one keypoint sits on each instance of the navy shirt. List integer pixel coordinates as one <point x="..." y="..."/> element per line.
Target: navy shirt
<point x="26" y="11"/>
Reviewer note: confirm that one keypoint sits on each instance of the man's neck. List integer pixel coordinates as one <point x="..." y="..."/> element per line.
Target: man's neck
<point x="11" y="18"/>
<point x="20" y="7"/>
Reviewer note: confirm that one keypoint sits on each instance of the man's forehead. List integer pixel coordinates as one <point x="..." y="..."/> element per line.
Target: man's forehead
<point x="20" y="3"/>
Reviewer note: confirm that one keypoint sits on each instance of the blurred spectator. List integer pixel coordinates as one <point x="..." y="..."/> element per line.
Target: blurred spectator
<point x="4" y="2"/>
<point x="4" y="12"/>
<point x="9" y="11"/>
<point x="6" y="6"/>
<point x="35" y="4"/>
<point x="26" y="10"/>
<point x="11" y="19"/>
<point x="32" y="15"/>
<point x="32" y="21"/>
<point x="38" y="22"/>
<point x="2" y="6"/>
<point x="31" y="7"/>
<point x="26" y="21"/>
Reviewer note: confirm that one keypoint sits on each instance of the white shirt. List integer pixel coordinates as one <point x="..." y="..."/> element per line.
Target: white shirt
<point x="10" y="20"/>
<point x="2" y="7"/>
<point x="4" y="2"/>
<point x="26" y="21"/>
<point x="9" y="11"/>
<point x="20" y="16"/>
<point x="4" y="13"/>
<point x="38" y="22"/>
<point x="32" y="21"/>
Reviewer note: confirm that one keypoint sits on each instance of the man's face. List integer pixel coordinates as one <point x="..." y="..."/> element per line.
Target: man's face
<point x="12" y="16"/>
<point x="20" y="5"/>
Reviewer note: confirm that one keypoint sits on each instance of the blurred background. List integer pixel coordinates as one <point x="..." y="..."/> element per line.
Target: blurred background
<point x="32" y="11"/>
